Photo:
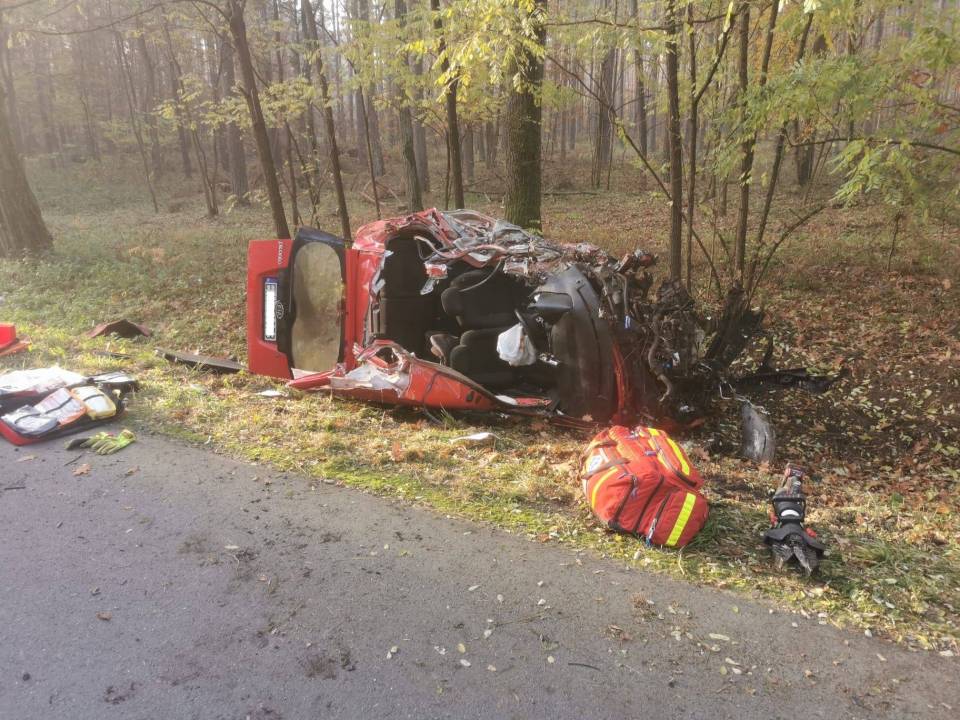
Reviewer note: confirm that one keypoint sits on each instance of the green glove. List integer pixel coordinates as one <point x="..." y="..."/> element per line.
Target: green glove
<point x="103" y="443"/>
<point x="82" y="442"/>
<point x="110" y="444"/>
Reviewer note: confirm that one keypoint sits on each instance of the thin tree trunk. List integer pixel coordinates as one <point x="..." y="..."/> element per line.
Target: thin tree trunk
<point x="238" y="31"/>
<point x="181" y="129"/>
<point x="134" y="122"/>
<point x="468" y="153"/>
<point x="148" y="101"/>
<point x="81" y="81"/>
<point x="675" y="145"/>
<point x="746" y="148"/>
<point x="692" y="144"/>
<point x="407" y="140"/>
<point x="372" y="126"/>
<point x="640" y="89"/>
<point x="207" y="181"/>
<point x="237" y="160"/>
<point x="43" y="85"/>
<point x="361" y="107"/>
<point x="310" y="31"/>
<point x="491" y="157"/>
<point x="420" y="135"/>
<point x="750" y="144"/>
<point x="450" y="101"/>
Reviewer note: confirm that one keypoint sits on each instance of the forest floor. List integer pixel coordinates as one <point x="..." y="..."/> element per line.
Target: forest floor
<point x="883" y="444"/>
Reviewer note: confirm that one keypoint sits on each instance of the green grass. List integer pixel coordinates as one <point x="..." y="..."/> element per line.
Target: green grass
<point x="886" y="507"/>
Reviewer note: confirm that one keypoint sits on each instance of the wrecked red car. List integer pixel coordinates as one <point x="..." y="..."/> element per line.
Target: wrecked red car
<point x="459" y="311"/>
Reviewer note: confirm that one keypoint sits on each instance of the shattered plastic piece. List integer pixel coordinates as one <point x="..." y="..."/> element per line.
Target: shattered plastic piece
<point x="122" y="328"/>
<point x="220" y="366"/>
<point x="271" y="394"/>
<point x="759" y="441"/>
<point x="480" y="438"/>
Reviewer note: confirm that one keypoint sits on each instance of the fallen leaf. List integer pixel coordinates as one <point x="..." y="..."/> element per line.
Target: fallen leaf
<point x="27" y="458"/>
<point x="82" y="470"/>
<point x="461" y="648"/>
<point x="718" y="636"/>
<point x="131" y="471"/>
<point x="105" y="616"/>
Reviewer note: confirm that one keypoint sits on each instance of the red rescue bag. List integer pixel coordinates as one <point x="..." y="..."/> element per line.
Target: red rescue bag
<point x="641" y="482"/>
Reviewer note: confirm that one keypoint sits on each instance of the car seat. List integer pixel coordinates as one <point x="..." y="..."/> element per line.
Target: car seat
<point x="484" y="303"/>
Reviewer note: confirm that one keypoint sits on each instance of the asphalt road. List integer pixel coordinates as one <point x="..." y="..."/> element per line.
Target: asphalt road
<point x="169" y="582"/>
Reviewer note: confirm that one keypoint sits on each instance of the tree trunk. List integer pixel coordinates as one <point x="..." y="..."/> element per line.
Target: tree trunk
<point x="128" y="91"/>
<point x="181" y="130"/>
<point x="746" y="148"/>
<point x="602" y="141"/>
<point x="372" y="128"/>
<point x="44" y="89"/>
<point x="207" y="178"/>
<point x="148" y="101"/>
<point x="675" y="145"/>
<point x="8" y="86"/>
<point x="694" y="128"/>
<point x="749" y="145"/>
<point x="236" y="159"/>
<point x="468" y="153"/>
<point x="414" y="198"/>
<point x="83" y="72"/>
<point x="450" y="100"/>
<point x="492" y="131"/>
<point x="21" y="225"/>
<point x="238" y="30"/>
<point x="310" y="31"/>
<point x="420" y="135"/>
<point x="640" y="90"/>
<point x="523" y="119"/>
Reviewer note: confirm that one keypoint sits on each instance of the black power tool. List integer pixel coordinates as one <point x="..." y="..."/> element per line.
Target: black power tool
<point x="788" y="538"/>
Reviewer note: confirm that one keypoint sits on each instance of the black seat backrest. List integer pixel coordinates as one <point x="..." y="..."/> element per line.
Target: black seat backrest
<point x="479" y="301"/>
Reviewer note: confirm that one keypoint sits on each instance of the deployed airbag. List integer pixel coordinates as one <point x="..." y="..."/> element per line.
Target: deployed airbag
<point x="515" y="347"/>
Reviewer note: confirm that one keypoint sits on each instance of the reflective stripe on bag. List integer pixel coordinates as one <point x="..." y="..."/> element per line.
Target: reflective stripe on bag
<point x="688" y="502"/>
